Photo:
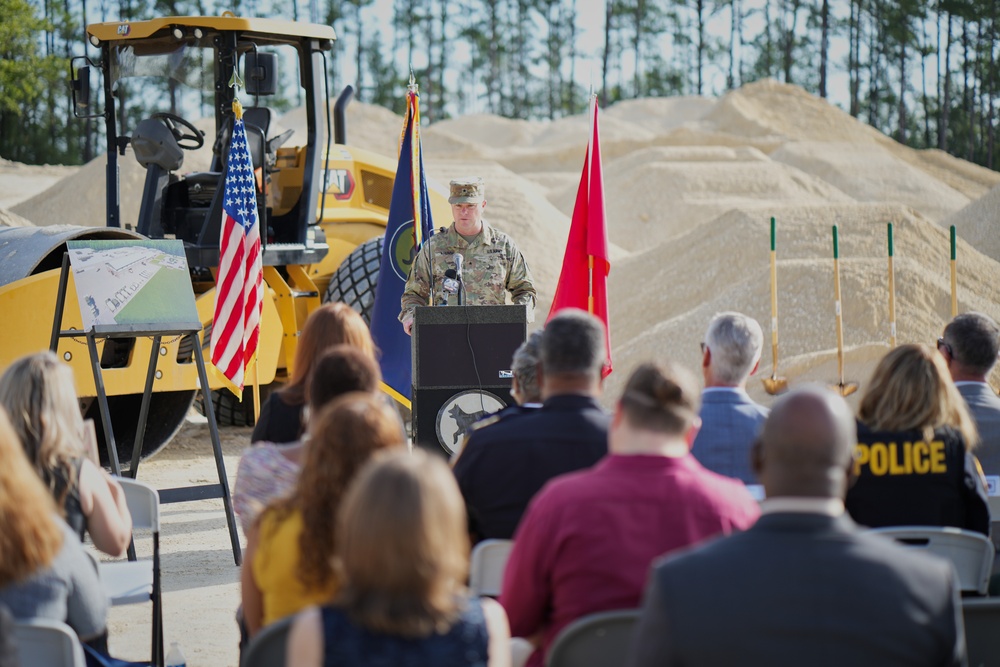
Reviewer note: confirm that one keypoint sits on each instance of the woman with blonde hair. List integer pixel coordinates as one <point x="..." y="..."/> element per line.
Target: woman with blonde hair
<point x="37" y="393"/>
<point x="44" y="571"/>
<point x="403" y="549"/>
<point x="281" y="419"/>
<point x="288" y="561"/>
<point x="914" y="462"/>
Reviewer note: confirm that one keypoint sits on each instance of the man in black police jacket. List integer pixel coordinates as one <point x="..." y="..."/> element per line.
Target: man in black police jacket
<point x="505" y="463"/>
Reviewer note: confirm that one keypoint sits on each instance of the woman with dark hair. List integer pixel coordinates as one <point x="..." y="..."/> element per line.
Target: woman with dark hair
<point x="37" y="393"/>
<point x="281" y="419"/>
<point x="913" y="463"/>
<point x="288" y="563"/>
<point x="44" y="571"/>
<point x="269" y="471"/>
<point x="403" y="551"/>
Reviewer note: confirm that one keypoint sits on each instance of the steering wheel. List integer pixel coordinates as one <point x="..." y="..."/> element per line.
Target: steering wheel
<point x="191" y="140"/>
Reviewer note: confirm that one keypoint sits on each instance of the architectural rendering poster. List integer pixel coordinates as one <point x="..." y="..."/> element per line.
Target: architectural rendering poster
<point x="133" y="285"/>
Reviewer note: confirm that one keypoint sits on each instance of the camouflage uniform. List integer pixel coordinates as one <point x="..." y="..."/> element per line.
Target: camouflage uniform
<point x="491" y="265"/>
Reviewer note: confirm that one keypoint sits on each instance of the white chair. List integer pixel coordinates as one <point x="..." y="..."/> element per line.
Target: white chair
<point x="489" y="558"/>
<point x="47" y="643"/>
<point x="135" y="582"/>
<point x="970" y="553"/>
<point x="596" y="640"/>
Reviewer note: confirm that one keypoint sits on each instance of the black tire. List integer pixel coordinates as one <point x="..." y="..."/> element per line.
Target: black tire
<point x="354" y="284"/>
<point x="167" y="410"/>
<point x="228" y="410"/>
<point x="355" y="279"/>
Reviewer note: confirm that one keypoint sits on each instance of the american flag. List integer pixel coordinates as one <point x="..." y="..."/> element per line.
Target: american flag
<point x="239" y="287"/>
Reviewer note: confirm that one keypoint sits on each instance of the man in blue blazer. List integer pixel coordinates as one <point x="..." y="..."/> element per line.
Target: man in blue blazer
<point x="970" y="345"/>
<point x="729" y="419"/>
<point x="804" y="585"/>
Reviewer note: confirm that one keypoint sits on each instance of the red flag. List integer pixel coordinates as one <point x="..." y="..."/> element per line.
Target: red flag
<point x="583" y="281"/>
<point x="239" y="286"/>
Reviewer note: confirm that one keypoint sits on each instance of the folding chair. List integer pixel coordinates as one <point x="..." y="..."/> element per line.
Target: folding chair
<point x="970" y="553"/>
<point x="135" y="582"/>
<point x="982" y="641"/>
<point x="47" y="643"/>
<point x="489" y="558"/>
<point x="267" y="649"/>
<point x="596" y="640"/>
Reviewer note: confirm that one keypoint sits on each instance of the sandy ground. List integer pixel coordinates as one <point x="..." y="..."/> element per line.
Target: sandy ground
<point x="200" y="579"/>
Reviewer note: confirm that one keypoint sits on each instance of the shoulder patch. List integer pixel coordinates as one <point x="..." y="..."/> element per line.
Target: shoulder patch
<point x="483" y="423"/>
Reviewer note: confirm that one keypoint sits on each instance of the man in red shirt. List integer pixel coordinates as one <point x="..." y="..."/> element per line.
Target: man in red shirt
<point x="588" y="538"/>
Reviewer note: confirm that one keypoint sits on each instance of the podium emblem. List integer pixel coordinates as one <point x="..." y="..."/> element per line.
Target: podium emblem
<point x="460" y="412"/>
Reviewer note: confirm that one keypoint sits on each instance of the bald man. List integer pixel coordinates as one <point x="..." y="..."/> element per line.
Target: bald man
<point x="804" y="585"/>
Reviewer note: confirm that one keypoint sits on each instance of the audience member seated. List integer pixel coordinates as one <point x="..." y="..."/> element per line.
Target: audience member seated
<point x="404" y="552"/>
<point x="970" y="345"/>
<point x="913" y="463"/>
<point x="588" y="538"/>
<point x="523" y="387"/>
<point x="730" y="421"/>
<point x="44" y="571"/>
<point x="281" y="419"/>
<point x="524" y="367"/>
<point x="504" y="464"/>
<point x="804" y="585"/>
<point x="37" y="393"/>
<point x="268" y="471"/>
<point x="289" y="558"/>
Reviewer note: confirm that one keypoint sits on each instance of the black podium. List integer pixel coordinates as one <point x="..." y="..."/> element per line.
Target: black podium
<point x="461" y="368"/>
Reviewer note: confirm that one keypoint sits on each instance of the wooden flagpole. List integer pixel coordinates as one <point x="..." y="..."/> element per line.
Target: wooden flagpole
<point x="954" y="276"/>
<point x="892" y="296"/>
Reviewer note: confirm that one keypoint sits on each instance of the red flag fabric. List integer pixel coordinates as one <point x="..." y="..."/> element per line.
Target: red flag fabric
<point x="583" y="281"/>
<point x="239" y="286"/>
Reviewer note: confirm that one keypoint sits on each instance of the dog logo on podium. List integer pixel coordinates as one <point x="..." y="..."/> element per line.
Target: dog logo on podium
<point x="460" y="412"/>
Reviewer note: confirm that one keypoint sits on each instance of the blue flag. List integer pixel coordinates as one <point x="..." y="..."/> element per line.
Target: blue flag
<point x="409" y="226"/>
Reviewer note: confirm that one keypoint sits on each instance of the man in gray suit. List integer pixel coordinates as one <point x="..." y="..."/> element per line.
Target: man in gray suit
<point x="729" y="419"/>
<point x="970" y="345"/>
<point x="804" y="585"/>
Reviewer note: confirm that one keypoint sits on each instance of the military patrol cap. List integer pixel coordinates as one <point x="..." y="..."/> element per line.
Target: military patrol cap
<point x="467" y="191"/>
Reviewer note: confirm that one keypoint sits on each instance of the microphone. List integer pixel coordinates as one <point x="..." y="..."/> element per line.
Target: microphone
<point x="458" y="277"/>
<point x="450" y="284"/>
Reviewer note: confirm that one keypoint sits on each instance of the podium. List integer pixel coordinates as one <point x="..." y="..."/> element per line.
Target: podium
<point x="461" y="369"/>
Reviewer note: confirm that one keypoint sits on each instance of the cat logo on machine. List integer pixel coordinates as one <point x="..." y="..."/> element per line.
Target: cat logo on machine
<point x="340" y="183"/>
<point x="460" y="412"/>
<point x="124" y="29"/>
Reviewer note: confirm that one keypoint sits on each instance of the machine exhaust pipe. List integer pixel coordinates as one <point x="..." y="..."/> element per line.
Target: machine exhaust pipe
<point x="340" y="115"/>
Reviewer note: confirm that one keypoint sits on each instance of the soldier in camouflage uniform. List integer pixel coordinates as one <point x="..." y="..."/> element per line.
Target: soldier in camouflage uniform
<point x="492" y="264"/>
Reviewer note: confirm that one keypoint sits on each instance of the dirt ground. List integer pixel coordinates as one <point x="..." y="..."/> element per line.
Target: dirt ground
<point x="200" y="579"/>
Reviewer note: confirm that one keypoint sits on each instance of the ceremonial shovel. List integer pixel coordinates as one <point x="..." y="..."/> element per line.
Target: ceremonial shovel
<point x="774" y="384"/>
<point x="844" y="388"/>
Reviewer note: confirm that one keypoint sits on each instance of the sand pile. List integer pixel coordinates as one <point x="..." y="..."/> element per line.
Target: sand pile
<point x="22" y="181"/>
<point x="668" y="310"/>
<point x="8" y="219"/>
<point x="977" y="224"/>
<point x="869" y="173"/>
<point x="653" y="202"/>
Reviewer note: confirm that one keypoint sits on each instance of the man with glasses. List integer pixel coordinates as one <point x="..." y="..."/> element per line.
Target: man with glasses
<point x="970" y="345"/>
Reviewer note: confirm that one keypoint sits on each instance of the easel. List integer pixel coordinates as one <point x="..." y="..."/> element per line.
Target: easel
<point x="176" y="495"/>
